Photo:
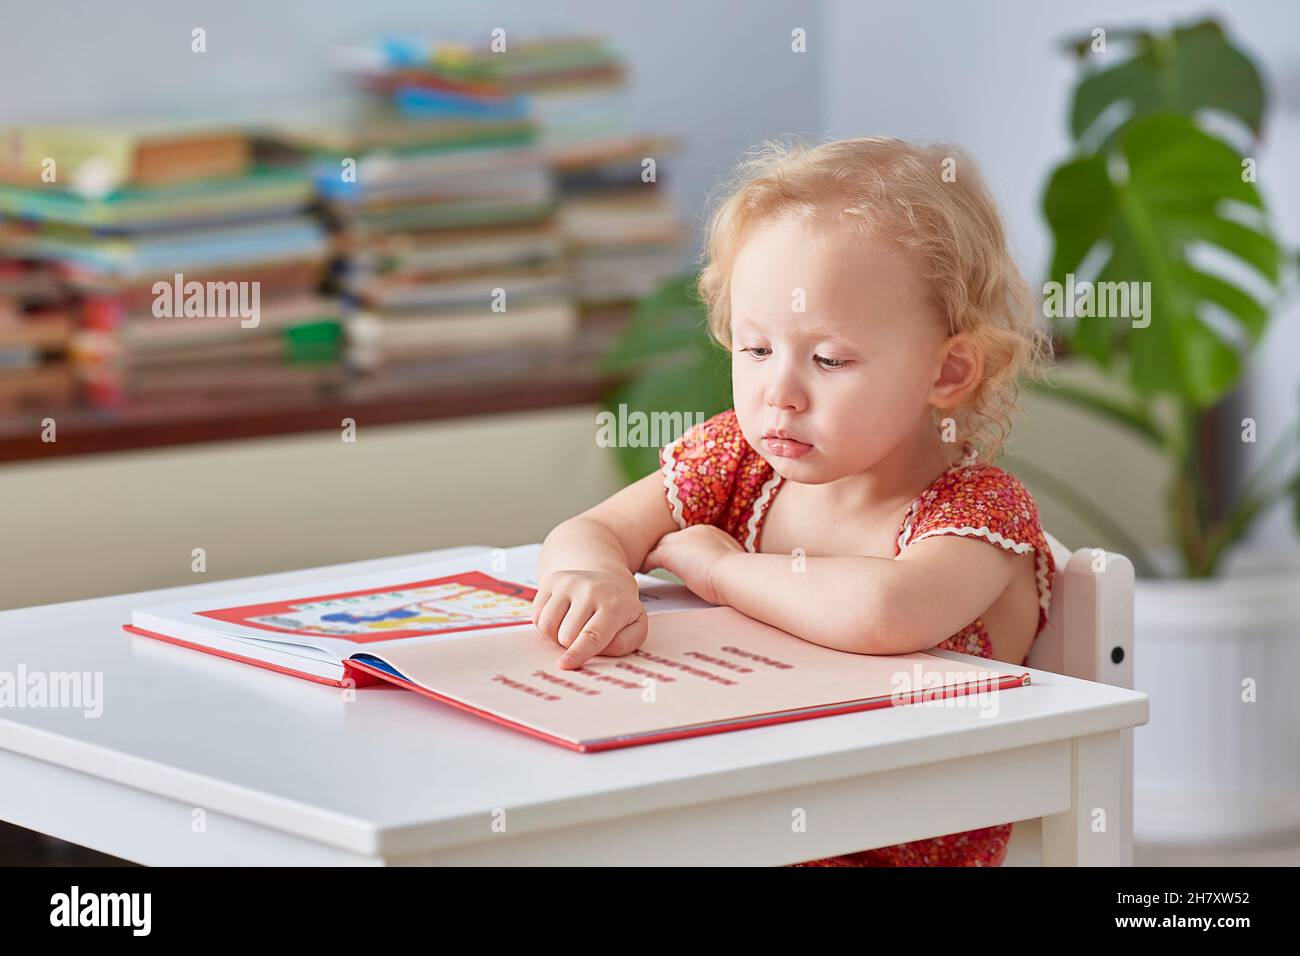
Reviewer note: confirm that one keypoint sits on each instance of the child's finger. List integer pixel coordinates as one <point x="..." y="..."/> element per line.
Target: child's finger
<point x="629" y="638"/>
<point x="548" y="622"/>
<point x="580" y="614"/>
<point x="587" y="646"/>
<point x="595" y="635"/>
<point x="539" y="601"/>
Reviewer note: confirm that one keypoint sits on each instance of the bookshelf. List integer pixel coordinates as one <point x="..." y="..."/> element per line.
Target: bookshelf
<point x="458" y="386"/>
<point x="373" y="244"/>
<point x="83" y="432"/>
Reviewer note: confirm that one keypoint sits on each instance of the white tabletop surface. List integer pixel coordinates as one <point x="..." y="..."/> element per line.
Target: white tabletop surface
<point x="393" y="772"/>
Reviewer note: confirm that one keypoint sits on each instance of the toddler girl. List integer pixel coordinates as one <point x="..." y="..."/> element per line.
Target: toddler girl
<point x="877" y="327"/>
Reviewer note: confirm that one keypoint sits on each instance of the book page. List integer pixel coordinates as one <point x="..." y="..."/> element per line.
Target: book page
<point x="445" y="605"/>
<point x="453" y="598"/>
<point x="696" y="667"/>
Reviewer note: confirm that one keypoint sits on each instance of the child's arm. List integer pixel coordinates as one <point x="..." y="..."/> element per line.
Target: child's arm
<point x="614" y="535"/>
<point x="588" y="599"/>
<point x="864" y="605"/>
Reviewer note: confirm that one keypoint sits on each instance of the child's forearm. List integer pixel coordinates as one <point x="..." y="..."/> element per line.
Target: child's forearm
<point x="842" y="603"/>
<point x="584" y="544"/>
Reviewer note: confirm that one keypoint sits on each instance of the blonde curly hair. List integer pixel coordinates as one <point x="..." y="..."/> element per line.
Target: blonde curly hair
<point x="933" y="201"/>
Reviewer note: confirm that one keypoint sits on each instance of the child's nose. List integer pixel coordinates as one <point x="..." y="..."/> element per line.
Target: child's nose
<point x="785" y="391"/>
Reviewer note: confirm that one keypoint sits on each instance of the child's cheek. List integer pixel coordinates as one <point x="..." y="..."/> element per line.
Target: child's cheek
<point x="748" y="416"/>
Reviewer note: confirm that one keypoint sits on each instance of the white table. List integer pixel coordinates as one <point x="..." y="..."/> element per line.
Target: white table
<point x="198" y="760"/>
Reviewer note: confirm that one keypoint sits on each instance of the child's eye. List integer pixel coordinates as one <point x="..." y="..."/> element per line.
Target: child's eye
<point x="830" y="362"/>
<point x="755" y="350"/>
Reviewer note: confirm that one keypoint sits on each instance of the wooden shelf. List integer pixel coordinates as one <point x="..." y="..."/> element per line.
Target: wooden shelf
<point x="81" y="432"/>
<point x="541" y="378"/>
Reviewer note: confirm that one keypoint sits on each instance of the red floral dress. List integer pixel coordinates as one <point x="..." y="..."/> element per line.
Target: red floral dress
<point x="713" y="476"/>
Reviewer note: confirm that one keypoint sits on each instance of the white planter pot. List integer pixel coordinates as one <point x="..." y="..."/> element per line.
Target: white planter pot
<point x="1210" y="767"/>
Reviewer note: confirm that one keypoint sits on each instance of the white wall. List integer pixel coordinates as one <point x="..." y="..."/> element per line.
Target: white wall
<point x="116" y="523"/>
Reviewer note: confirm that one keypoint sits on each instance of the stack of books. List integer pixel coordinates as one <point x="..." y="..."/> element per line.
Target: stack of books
<point x="195" y="270"/>
<point x="444" y="211"/>
<point x="571" y="86"/>
<point x="477" y="209"/>
<point x="36" y="324"/>
<point x="622" y="233"/>
<point x="622" y="236"/>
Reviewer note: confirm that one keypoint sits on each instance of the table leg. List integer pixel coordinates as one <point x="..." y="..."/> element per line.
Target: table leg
<point x="1097" y="829"/>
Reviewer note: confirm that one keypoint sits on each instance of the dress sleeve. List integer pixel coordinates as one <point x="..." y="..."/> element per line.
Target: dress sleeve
<point x="991" y="504"/>
<point x="700" y="467"/>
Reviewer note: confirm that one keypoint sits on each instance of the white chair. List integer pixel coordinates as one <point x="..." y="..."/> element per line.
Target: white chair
<point x="1089" y="635"/>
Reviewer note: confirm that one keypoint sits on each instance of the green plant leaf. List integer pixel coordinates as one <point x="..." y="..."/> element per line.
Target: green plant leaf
<point x="664" y="324"/>
<point x="1080" y="208"/>
<point x="1193" y="68"/>
<point x="1173" y="190"/>
<point x="696" y="387"/>
<point x="676" y="365"/>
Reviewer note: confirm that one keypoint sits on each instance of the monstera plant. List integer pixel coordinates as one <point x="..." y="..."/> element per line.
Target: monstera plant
<point x="1157" y="196"/>
<point x="1160" y="199"/>
<point x="1160" y="192"/>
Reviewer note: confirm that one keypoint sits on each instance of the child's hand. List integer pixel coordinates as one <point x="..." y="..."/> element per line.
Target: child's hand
<point x="690" y="553"/>
<point x="590" y="613"/>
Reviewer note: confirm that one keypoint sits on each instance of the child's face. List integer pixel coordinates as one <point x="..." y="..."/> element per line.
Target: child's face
<point x="851" y="377"/>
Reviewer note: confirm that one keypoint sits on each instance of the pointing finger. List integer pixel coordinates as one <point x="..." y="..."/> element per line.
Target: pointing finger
<point x="596" y="636"/>
<point x="587" y="646"/>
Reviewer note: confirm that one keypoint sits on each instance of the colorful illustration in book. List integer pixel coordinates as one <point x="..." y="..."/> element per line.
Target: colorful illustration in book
<point x="460" y="602"/>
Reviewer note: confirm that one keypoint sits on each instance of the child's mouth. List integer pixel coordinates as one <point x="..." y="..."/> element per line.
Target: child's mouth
<point x="786" y="447"/>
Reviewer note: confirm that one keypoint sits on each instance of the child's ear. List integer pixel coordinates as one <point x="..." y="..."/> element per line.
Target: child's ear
<point x="961" y="368"/>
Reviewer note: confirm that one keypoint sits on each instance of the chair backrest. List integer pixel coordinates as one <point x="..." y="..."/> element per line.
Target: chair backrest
<point x="1089" y="632"/>
<point x="1089" y="635"/>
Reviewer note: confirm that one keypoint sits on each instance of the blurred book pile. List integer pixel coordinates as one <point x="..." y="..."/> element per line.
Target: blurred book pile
<point x="477" y="208"/>
<point x="36" y="325"/>
<point x="446" y="232"/>
<point x="621" y="231"/>
<point x="190" y="272"/>
<point x="491" y="205"/>
<point x="621" y="234"/>
<point x="571" y="86"/>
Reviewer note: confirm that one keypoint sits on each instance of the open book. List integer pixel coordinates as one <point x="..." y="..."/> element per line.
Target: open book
<point x="460" y="632"/>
